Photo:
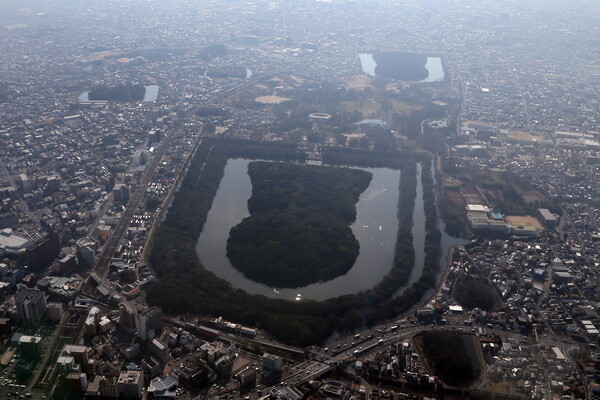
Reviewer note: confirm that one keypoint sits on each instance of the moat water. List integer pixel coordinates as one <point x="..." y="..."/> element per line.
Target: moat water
<point x="376" y="229"/>
<point x="433" y="65"/>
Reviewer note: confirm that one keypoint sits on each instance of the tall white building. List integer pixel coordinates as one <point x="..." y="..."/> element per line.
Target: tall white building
<point x="272" y="362"/>
<point x="149" y="323"/>
<point x="131" y="384"/>
<point x="31" y="305"/>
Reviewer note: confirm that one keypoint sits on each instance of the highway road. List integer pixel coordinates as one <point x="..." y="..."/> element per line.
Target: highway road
<point x="109" y="248"/>
<point x="325" y="360"/>
<point x="100" y="214"/>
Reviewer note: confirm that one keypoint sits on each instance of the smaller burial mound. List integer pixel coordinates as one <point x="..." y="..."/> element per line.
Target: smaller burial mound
<point x="451" y="356"/>
<point x="472" y="292"/>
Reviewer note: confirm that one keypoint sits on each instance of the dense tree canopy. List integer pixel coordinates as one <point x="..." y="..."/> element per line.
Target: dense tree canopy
<point x="447" y="355"/>
<point x="118" y="93"/>
<point x="233" y="72"/>
<point x="185" y="286"/>
<point x="298" y="230"/>
<point x="472" y="292"/>
<point x="214" y="50"/>
<point x="402" y="66"/>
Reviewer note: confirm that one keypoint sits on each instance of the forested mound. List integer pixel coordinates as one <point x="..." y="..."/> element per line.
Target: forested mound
<point x="233" y="72"/>
<point x="185" y="286"/>
<point x="118" y="93"/>
<point x="446" y="353"/>
<point x="472" y="292"/>
<point x="298" y="231"/>
<point x="401" y="66"/>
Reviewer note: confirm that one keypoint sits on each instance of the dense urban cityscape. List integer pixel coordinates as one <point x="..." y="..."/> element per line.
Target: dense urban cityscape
<point x="146" y="254"/>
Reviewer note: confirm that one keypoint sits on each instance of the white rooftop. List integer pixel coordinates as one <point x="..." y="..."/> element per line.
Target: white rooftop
<point x="11" y="243"/>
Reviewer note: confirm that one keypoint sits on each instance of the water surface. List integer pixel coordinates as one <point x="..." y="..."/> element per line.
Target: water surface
<point x="375" y="228"/>
<point x="434" y="67"/>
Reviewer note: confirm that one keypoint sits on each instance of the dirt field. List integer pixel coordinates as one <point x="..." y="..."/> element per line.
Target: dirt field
<point x="354" y="135"/>
<point x="370" y="107"/>
<point x="240" y="363"/>
<point x="471" y="196"/>
<point x="404" y="108"/>
<point x="367" y="108"/>
<point x="531" y="196"/>
<point x="357" y="82"/>
<point x="456" y="198"/>
<point x="102" y="54"/>
<point x="522" y="220"/>
<point x="470" y="124"/>
<point x="271" y="99"/>
<point x="520" y="135"/>
<point x="500" y="387"/>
